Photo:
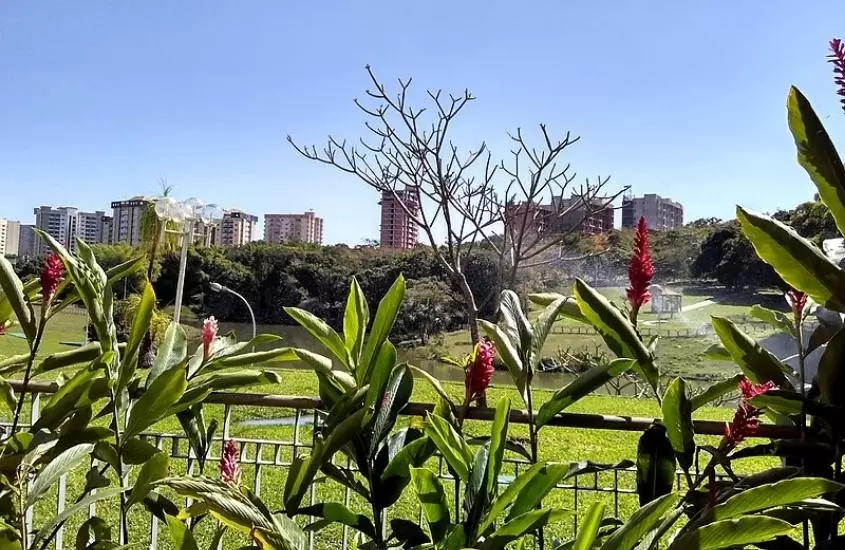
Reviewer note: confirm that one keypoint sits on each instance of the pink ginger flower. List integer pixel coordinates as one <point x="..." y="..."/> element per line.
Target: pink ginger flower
<point x="797" y="300"/>
<point x="640" y="270"/>
<point x="52" y="274"/>
<point x="837" y="57"/>
<point x="479" y="370"/>
<point x="209" y="333"/>
<point x="746" y="420"/>
<point x="230" y="471"/>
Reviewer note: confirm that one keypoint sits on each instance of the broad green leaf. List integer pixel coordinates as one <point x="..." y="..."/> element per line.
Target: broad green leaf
<point x="530" y="486"/>
<point x="172" y="351"/>
<point x="137" y="451"/>
<point x="346" y="477"/>
<point x="717" y="352"/>
<point x="544" y="325"/>
<point x="13" y="293"/>
<point x="397" y="392"/>
<point x="432" y="501"/>
<point x="515" y="322"/>
<point x="324" y="334"/>
<point x="570" y="308"/>
<point x="781" y="493"/>
<point x="521" y="526"/>
<point x="817" y="154"/>
<point x="616" y="330"/>
<point x="69" y="396"/>
<point x="165" y="391"/>
<point x="434" y="382"/>
<point x="831" y="373"/>
<point x="715" y="391"/>
<point x="408" y="533"/>
<point x="83" y="354"/>
<point x="114" y="274"/>
<point x="451" y="445"/>
<point x="783" y="402"/>
<point x="356" y="317"/>
<point x="498" y="438"/>
<point x="411" y="454"/>
<point x="334" y="512"/>
<point x="7" y="395"/>
<point x="589" y="529"/>
<point x="141" y="322"/>
<point x="777" y="319"/>
<point x="756" y="362"/>
<point x="509" y="354"/>
<point x="278" y="355"/>
<point x="677" y="417"/>
<point x="476" y="498"/>
<point x="799" y="263"/>
<point x="655" y="464"/>
<point x="154" y="469"/>
<point x="381" y="372"/>
<point x="583" y="385"/>
<point x="456" y="539"/>
<point x="732" y="533"/>
<point x="180" y="535"/>
<point x="93" y="529"/>
<point x="641" y="522"/>
<point x="386" y="313"/>
<point x="82" y="505"/>
<point x="202" y="386"/>
<point x="56" y="468"/>
<point x="14" y="364"/>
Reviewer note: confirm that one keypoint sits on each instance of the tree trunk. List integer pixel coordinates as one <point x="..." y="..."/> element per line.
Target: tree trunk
<point x="470" y="309"/>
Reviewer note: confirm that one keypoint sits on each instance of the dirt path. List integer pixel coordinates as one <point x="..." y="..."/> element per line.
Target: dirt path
<point x="697" y="305"/>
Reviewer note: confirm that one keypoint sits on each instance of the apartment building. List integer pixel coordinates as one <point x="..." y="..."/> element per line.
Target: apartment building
<point x="28" y="240"/>
<point x="10" y="232"/>
<point x="94" y="227"/>
<point x="397" y="229"/>
<point x="238" y="228"/>
<point x="588" y="215"/>
<point x="659" y="212"/>
<point x="286" y="228"/>
<point x="61" y="223"/>
<point x="126" y="220"/>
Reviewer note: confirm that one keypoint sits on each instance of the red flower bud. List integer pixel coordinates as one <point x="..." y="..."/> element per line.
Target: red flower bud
<point x="479" y="370"/>
<point x="797" y="300"/>
<point x="746" y="419"/>
<point x="209" y="333"/>
<point x="52" y="274"/>
<point x="230" y="471"/>
<point x="640" y="269"/>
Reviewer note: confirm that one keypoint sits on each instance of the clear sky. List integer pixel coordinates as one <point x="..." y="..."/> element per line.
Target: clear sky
<point x="98" y="100"/>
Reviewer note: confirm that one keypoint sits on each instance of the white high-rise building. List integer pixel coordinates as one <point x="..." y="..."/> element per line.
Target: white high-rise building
<point x="126" y="220"/>
<point x="60" y="223"/>
<point x="28" y="239"/>
<point x="10" y="232"/>
<point x="237" y="228"/>
<point x="94" y="227"/>
<point x="286" y="228"/>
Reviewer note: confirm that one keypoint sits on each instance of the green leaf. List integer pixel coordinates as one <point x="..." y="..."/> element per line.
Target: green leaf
<point x="616" y="330"/>
<point x="201" y="387"/>
<point x="411" y="454"/>
<point x="180" y="535"/>
<point x="509" y="354"/>
<point x="589" y="529"/>
<point x="476" y="498"/>
<point x="525" y="492"/>
<point x="154" y="469"/>
<point x="641" y="522"/>
<point x="334" y="512"/>
<point x="394" y="398"/>
<point x="781" y="493"/>
<point x="498" y="438"/>
<point x="677" y="417"/>
<point x="73" y="394"/>
<point x="7" y="394"/>
<point x="13" y="292"/>
<point x="277" y="355"/>
<point x="817" y="155"/>
<point x="522" y="525"/>
<point x="141" y="322"/>
<point x="434" y="382"/>
<point x="516" y="324"/>
<point x="172" y="351"/>
<point x="756" y="362"/>
<point x="732" y="533"/>
<point x="777" y="319"/>
<point x="432" y="501"/>
<point x="715" y="391"/>
<point x="166" y="390"/>
<point x="56" y="468"/>
<point x="83" y="354"/>
<point x="783" y="402"/>
<point x="451" y="445"/>
<point x="382" y="369"/>
<point x="356" y="317"/>
<point x="324" y="334"/>
<point x="386" y="313"/>
<point x="717" y="352"/>
<point x="544" y="325"/>
<point x="831" y="374"/>
<point x="581" y="386"/>
<point x="655" y="464"/>
<point x="137" y="451"/>
<point x="799" y="263"/>
<point x="82" y="505"/>
<point x="95" y="529"/>
<point x="570" y="308"/>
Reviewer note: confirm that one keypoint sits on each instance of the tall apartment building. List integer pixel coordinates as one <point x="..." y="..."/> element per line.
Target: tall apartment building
<point x="659" y="212"/>
<point x="238" y="228"/>
<point x="126" y="220"/>
<point x="28" y="240"/>
<point x="590" y="216"/>
<point x="94" y="227"/>
<point x="61" y="223"/>
<point x="398" y="229"/>
<point x="10" y="232"/>
<point x="285" y="228"/>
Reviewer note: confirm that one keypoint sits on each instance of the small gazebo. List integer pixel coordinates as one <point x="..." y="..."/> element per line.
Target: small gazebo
<point x="665" y="301"/>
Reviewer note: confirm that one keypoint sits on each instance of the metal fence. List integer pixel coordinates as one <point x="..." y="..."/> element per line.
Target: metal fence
<point x="264" y="462"/>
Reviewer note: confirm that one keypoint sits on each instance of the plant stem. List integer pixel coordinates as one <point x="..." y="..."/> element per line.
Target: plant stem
<point x="799" y="342"/>
<point x="532" y="436"/>
<point x="28" y="373"/>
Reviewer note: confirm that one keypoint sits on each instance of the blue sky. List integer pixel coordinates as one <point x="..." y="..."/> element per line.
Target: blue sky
<point x="98" y="100"/>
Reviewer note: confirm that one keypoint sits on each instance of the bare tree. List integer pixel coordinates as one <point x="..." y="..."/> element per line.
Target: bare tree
<point x="451" y="195"/>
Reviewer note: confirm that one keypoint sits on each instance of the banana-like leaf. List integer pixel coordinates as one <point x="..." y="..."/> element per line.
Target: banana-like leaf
<point x="451" y="445"/>
<point x="756" y="362"/>
<point x="334" y="512"/>
<point x="356" y="318"/>
<point x="154" y="469"/>
<point x="155" y="403"/>
<point x="522" y="525"/>
<point x="432" y="501"/>
<point x="544" y="325"/>
<point x="641" y="522"/>
<point x="75" y="508"/>
<point x="180" y="535"/>
<point x="13" y="294"/>
<point x="508" y="353"/>
<point x="56" y="468"/>
<point x="172" y="351"/>
<point x="570" y="309"/>
<point x="831" y="373"/>
<point x="397" y="392"/>
<point x="715" y="391"/>
<point x="589" y="529"/>
<point x="677" y="417"/>
<point x="732" y="533"/>
<point x="388" y="309"/>
<point x="781" y="493"/>
<point x="323" y="333"/>
<point x="655" y="464"/>
<point x="777" y="319"/>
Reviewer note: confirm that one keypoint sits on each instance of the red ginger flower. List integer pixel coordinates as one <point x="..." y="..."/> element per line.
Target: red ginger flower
<point x="746" y="420"/>
<point x="640" y="269"/>
<point x="209" y="332"/>
<point x="797" y="300"/>
<point x="837" y="57"/>
<point x="230" y="471"/>
<point x="479" y="370"/>
<point x="52" y="274"/>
